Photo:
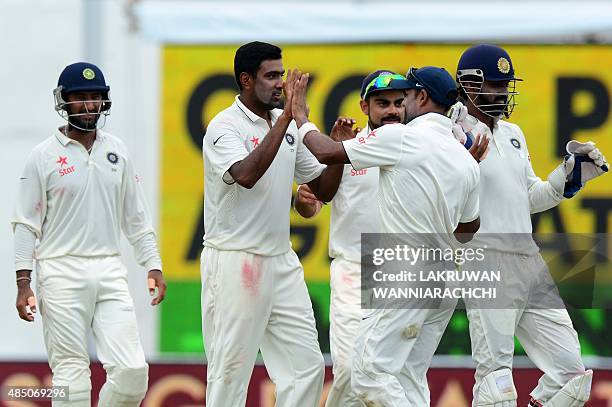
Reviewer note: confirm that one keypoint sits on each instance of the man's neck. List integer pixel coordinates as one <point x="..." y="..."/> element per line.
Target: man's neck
<point x="84" y="137"/>
<point x="487" y="120"/>
<point x="255" y="107"/>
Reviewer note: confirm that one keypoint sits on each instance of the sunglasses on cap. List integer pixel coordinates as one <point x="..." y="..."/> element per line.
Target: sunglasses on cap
<point x="382" y="82"/>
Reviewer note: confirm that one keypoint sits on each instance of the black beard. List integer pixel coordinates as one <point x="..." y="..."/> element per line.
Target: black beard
<point x="495" y="111"/>
<point x="78" y="123"/>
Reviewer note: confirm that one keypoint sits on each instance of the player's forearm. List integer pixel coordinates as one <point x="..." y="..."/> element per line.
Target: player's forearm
<point x="248" y="171"/>
<point x="326" y="185"/>
<point x="543" y="196"/>
<point x="325" y="150"/>
<point x="465" y="231"/>
<point x="147" y="252"/>
<point x="23" y="278"/>
<point x="25" y="241"/>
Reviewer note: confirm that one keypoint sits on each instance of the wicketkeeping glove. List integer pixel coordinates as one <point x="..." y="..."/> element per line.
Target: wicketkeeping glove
<point x="583" y="163"/>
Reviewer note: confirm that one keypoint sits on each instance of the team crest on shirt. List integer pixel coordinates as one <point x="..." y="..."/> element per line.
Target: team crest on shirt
<point x="290" y="139"/>
<point x="112" y="158"/>
<point x="515" y="143"/>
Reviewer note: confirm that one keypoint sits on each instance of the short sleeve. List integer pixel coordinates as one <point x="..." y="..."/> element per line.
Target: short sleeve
<point x="307" y="167"/>
<point x="378" y="148"/>
<point x="31" y="202"/>
<point x="222" y="148"/>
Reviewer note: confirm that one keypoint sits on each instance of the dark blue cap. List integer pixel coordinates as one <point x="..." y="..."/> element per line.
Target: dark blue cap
<point x="438" y="83"/>
<point x="82" y="76"/>
<point x="377" y="85"/>
<point x="493" y="61"/>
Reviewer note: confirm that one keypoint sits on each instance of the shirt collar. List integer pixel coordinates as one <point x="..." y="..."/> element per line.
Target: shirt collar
<point x="365" y="130"/>
<point x="252" y="116"/>
<point x="433" y="117"/>
<point x="62" y="138"/>
<point x="495" y="125"/>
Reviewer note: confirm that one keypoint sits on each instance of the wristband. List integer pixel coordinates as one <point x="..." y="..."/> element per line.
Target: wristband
<point x="305" y="129"/>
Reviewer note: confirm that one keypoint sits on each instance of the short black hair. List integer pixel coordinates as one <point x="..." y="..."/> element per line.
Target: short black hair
<point x="249" y="57"/>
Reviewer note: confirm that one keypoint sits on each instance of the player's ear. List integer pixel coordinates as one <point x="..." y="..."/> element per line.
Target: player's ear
<point x="422" y="97"/>
<point x="365" y="107"/>
<point x="246" y="80"/>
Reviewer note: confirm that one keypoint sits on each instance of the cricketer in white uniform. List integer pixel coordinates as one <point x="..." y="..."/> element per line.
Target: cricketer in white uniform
<point x="77" y="192"/>
<point x="509" y="193"/>
<point x="254" y="296"/>
<point x="354" y="210"/>
<point x="427" y="184"/>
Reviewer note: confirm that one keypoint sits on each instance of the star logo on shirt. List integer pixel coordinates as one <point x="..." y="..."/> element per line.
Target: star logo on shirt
<point x="255" y="141"/>
<point x="371" y="134"/>
<point x="62" y="161"/>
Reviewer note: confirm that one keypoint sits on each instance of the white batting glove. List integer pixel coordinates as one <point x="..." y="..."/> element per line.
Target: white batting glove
<point x="583" y="163"/>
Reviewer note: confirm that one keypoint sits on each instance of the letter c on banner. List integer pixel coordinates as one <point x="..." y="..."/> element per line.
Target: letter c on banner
<point x="197" y="100"/>
<point x="339" y="92"/>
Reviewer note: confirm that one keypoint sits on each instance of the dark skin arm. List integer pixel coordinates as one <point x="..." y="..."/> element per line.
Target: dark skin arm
<point x="465" y="231"/>
<point x="306" y="203"/>
<point x="25" y="297"/>
<point x="249" y="170"/>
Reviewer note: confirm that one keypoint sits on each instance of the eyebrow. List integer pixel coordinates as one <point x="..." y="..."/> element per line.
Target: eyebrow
<point x="382" y="99"/>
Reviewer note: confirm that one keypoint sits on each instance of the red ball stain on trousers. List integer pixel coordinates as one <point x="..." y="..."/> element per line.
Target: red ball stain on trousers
<point x="251" y="274"/>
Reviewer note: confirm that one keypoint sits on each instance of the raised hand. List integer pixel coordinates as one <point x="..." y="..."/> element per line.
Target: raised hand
<point x="343" y="129"/>
<point x="298" y="105"/>
<point x="480" y="148"/>
<point x="288" y="87"/>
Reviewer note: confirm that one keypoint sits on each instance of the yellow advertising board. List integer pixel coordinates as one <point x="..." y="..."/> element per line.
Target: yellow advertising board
<point x="565" y="94"/>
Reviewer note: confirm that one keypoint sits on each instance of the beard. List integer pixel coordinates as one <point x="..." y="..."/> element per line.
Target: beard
<point x="272" y="104"/>
<point x="500" y="104"/>
<point x="82" y="124"/>
<point x="268" y="100"/>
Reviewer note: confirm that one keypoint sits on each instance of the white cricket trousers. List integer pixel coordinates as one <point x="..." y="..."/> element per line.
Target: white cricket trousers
<point x="344" y="317"/>
<point x="251" y="303"/>
<point x="547" y="335"/>
<point x="79" y="293"/>
<point x="393" y="351"/>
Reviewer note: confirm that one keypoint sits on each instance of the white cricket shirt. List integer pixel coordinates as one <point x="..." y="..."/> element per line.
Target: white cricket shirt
<point x="254" y="220"/>
<point x="354" y="210"/>
<point x="428" y="181"/>
<point x="77" y="203"/>
<point x="510" y="192"/>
